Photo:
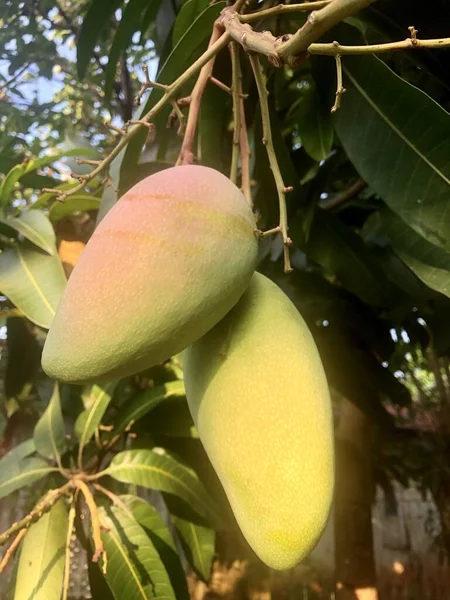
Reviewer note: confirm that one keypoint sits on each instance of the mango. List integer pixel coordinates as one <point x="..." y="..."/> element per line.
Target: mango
<point x="258" y="395"/>
<point x="166" y="263"/>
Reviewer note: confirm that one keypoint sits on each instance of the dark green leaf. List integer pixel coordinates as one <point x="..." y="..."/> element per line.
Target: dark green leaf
<point x="430" y="263"/>
<point x="97" y="18"/>
<point x="144" y="402"/>
<point x="187" y="15"/>
<point x="41" y="567"/>
<point x="20" y="472"/>
<point x="152" y="521"/>
<point x="313" y="122"/>
<point x="135" y="570"/>
<point x="33" y="281"/>
<point x="188" y="49"/>
<point x="198" y="544"/>
<point x="396" y="136"/>
<point x="36" y="228"/>
<point x="129" y="24"/>
<point x="155" y="469"/>
<point x="22" y="450"/>
<point x="49" y="434"/>
<point x="24" y="357"/>
<point x="342" y="252"/>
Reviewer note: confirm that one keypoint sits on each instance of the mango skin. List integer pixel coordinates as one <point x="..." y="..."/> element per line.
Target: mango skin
<point x="260" y="400"/>
<point x="167" y="262"/>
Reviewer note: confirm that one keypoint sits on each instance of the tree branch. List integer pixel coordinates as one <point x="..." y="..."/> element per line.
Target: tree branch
<point x="171" y="91"/>
<point x="245" y="152"/>
<point x="283" y="8"/>
<point x="186" y="156"/>
<point x="72" y="515"/>
<point x="95" y="521"/>
<point x="345" y="196"/>
<point x="236" y="94"/>
<point x="409" y="43"/>
<point x="50" y="499"/>
<point x="318" y="23"/>
<point x="267" y="141"/>
<point x="10" y="552"/>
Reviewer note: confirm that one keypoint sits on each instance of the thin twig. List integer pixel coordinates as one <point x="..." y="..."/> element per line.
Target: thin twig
<point x="283" y="8"/>
<point x="245" y="152"/>
<point x="95" y="521"/>
<point x="50" y="499"/>
<point x="186" y="156"/>
<point x="407" y="44"/>
<point x="340" y="89"/>
<point x="170" y="92"/>
<point x="344" y="196"/>
<point x="10" y="552"/>
<point x="72" y="515"/>
<point x="236" y="93"/>
<point x="250" y="40"/>
<point x="177" y="114"/>
<point x="291" y="51"/>
<point x="220" y="85"/>
<point x="267" y="141"/>
<point x="146" y="84"/>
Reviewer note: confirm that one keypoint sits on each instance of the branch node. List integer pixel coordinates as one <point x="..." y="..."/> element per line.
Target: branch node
<point x="413" y="31"/>
<point x="87" y="161"/>
<point x="340" y="89"/>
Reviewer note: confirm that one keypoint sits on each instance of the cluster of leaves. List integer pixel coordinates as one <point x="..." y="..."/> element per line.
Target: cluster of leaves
<point x="140" y="543"/>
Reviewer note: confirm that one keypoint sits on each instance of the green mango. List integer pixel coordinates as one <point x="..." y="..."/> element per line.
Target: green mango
<point x="258" y="395"/>
<point x="167" y="262"/>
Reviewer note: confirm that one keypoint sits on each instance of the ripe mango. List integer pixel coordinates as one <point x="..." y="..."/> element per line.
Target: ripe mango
<point x="259" y="398"/>
<point x="167" y="262"/>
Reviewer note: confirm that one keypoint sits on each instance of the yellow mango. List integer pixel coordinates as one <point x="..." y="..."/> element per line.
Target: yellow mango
<point x="167" y="262"/>
<point x="258" y="395"/>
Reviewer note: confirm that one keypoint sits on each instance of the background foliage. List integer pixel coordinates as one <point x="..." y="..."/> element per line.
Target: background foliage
<point x="369" y="218"/>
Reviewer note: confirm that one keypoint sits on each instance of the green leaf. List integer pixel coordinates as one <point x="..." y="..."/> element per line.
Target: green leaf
<point x="33" y="280"/>
<point x="20" y="472"/>
<point x="96" y="19"/>
<point x="430" y="263"/>
<point x="73" y="204"/>
<point x="7" y="185"/>
<point x="144" y="402"/>
<point x="313" y="122"/>
<point x="41" y="566"/>
<point x="198" y="544"/>
<point x="188" y="49"/>
<point x="46" y="197"/>
<point x="397" y="138"/>
<point x="135" y="570"/>
<point x="36" y="228"/>
<point x="129" y="24"/>
<point x="187" y="15"/>
<point x="342" y="252"/>
<point x="155" y="469"/>
<point x="214" y="147"/>
<point x="151" y="520"/>
<point x="22" y="450"/>
<point x="49" y="159"/>
<point x="90" y="419"/>
<point x="49" y="434"/>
